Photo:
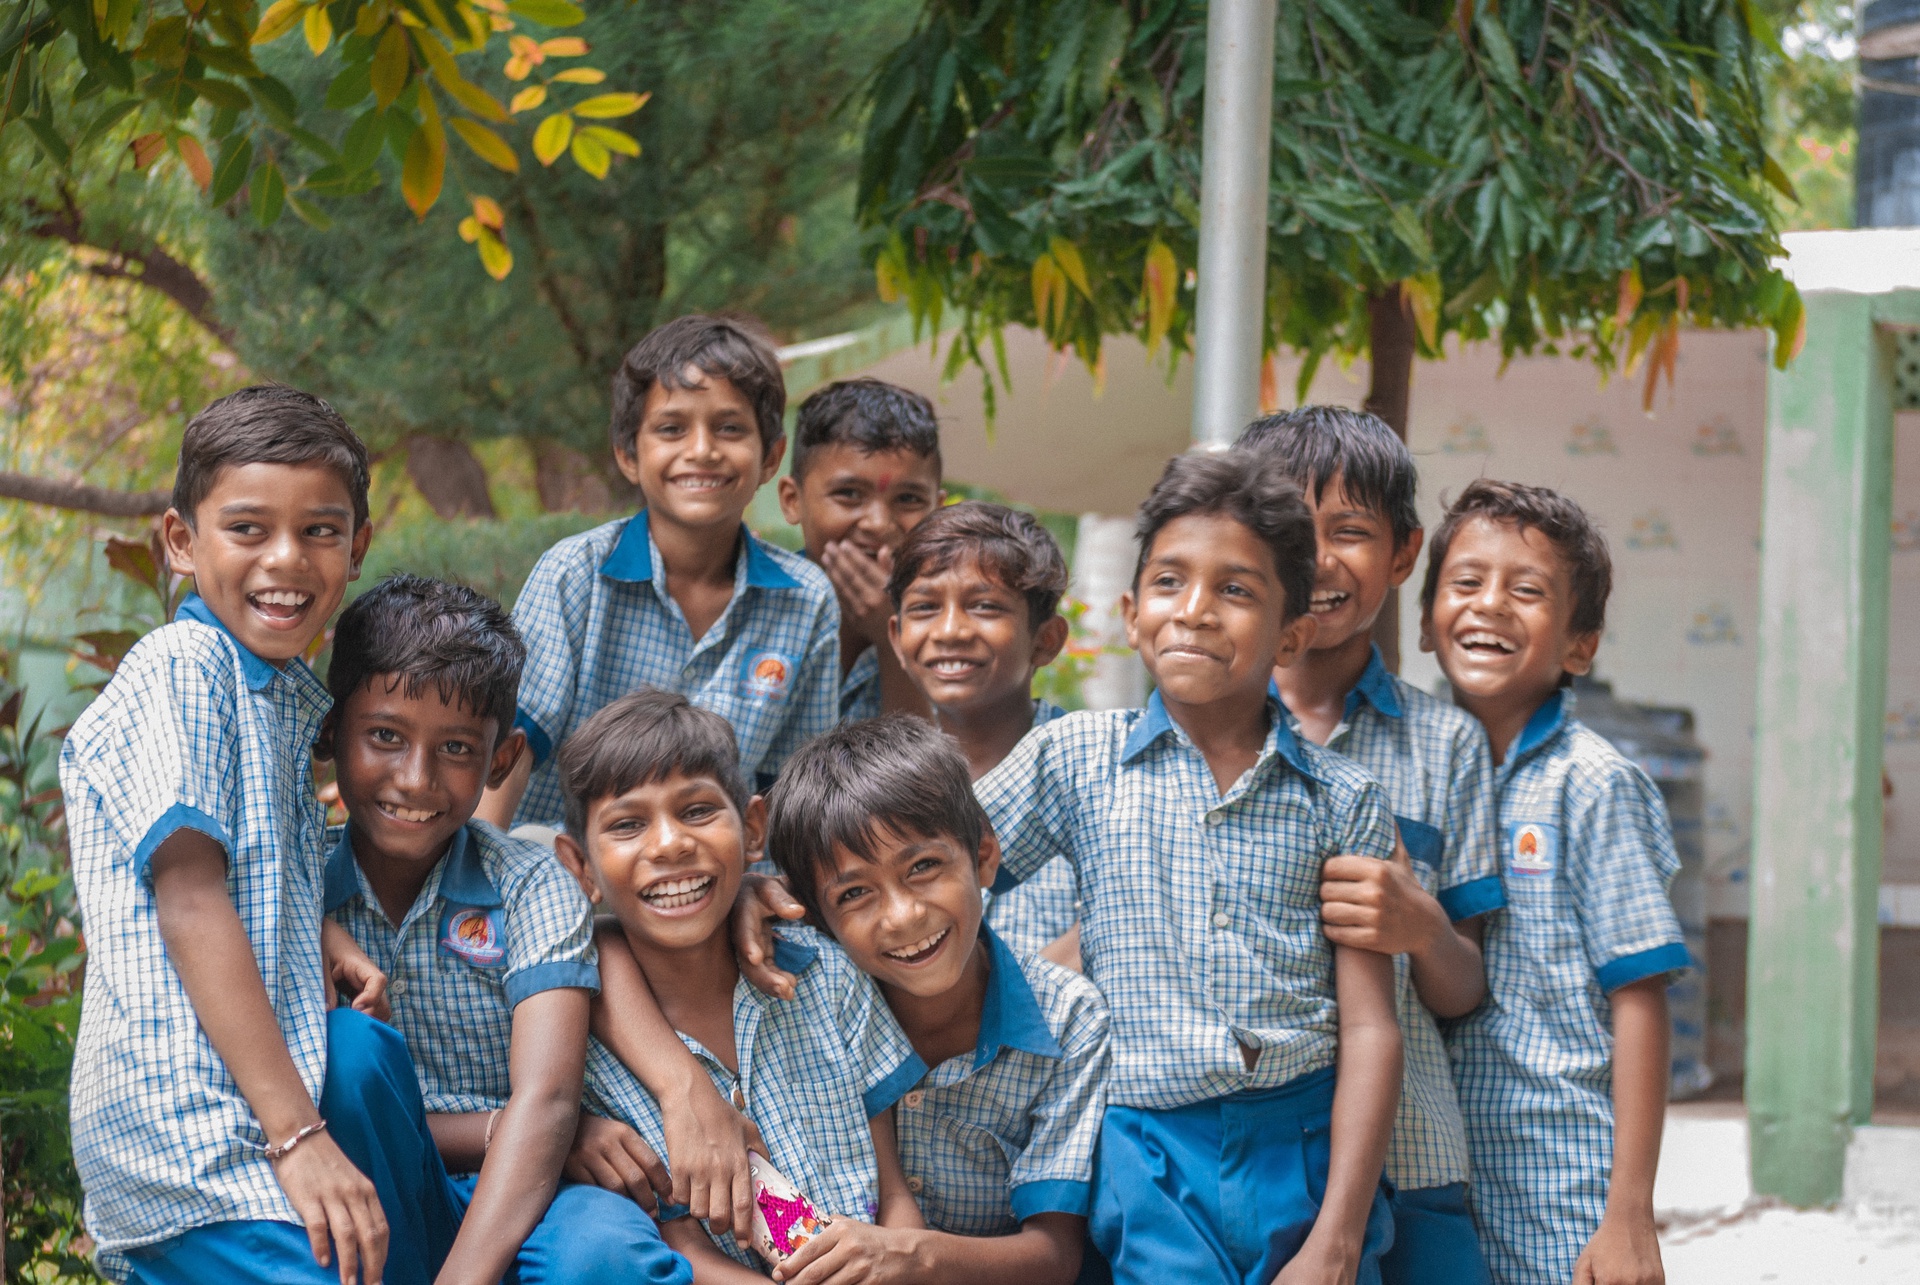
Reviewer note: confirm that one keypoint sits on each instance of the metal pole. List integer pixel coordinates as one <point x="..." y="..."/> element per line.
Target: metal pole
<point x="1235" y="145"/>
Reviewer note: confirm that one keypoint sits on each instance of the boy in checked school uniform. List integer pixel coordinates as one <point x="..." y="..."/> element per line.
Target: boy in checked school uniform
<point x="1426" y="907"/>
<point x="1563" y="1072"/>
<point x="681" y="596"/>
<point x="1255" y="1064"/>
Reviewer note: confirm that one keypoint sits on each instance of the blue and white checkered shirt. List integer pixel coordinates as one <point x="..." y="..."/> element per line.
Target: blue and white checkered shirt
<point x="1030" y="916"/>
<point x="194" y="732"/>
<point x="995" y="1136"/>
<point x="1200" y="912"/>
<point x="813" y="1070"/>
<point x="1432" y="760"/>
<point x="1586" y="856"/>
<point x="599" y="624"/>
<point x="497" y="921"/>
<point x="860" y="689"/>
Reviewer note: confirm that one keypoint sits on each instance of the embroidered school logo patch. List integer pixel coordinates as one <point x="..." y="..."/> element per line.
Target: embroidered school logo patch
<point x="474" y="935"/>
<point x="766" y="675"/>
<point x="1532" y="849"/>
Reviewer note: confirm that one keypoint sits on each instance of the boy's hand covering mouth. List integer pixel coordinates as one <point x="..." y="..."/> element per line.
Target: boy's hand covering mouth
<point x="761" y="902"/>
<point x="861" y="583"/>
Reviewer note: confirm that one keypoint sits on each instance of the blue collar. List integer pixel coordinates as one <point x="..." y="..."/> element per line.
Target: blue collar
<point x="632" y="558"/>
<point x="463" y="878"/>
<point x="792" y="956"/>
<point x="1545" y="722"/>
<point x="1376" y="688"/>
<point x="1156" y="722"/>
<point x="1011" y="1018"/>
<point x="257" y="672"/>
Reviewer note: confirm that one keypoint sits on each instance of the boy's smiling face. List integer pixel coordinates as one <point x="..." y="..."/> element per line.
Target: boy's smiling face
<point x="910" y="919"/>
<point x="1357" y="563"/>
<point x="1499" y="623"/>
<point x="1206" y="612"/>
<point x="411" y="769"/>
<point x="697" y="455"/>
<point x="666" y="857"/>
<point x="870" y="499"/>
<point x="271" y="549"/>
<point x="965" y="638"/>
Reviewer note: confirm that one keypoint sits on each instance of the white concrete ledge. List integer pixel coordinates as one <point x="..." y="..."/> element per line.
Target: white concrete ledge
<point x="1703" y="1165"/>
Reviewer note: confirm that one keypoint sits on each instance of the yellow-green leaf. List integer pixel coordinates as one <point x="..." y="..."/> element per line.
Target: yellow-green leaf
<point x="581" y="76"/>
<point x="1160" y="283"/>
<point x="425" y="166"/>
<point x="610" y="106"/>
<point x="591" y="155"/>
<point x="1631" y="292"/>
<point x="1771" y="170"/>
<point x="1049" y="293"/>
<point x="488" y="211"/>
<point x="552" y="137"/>
<point x="469" y="229"/>
<point x="371" y="18"/>
<point x="191" y="154"/>
<point x="494" y="255"/>
<point x="1067" y="255"/>
<point x="612" y="139"/>
<point x="392" y="64"/>
<point x="487" y="145"/>
<point x="1789" y="328"/>
<point x="463" y="91"/>
<point x="528" y="99"/>
<point x="278" y="20"/>
<point x="319" y="28"/>
<point x="1422" y="295"/>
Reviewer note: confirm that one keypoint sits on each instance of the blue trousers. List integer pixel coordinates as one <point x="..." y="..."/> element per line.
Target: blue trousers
<point x="1221" y="1191"/>
<point x="1433" y="1240"/>
<point x="372" y="1105"/>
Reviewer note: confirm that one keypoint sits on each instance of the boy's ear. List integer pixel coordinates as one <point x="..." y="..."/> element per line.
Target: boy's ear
<point x="628" y="462"/>
<point x="1295" y="637"/>
<point x="1427" y="642"/>
<point x="1049" y="640"/>
<point x="1580" y="651"/>
<point x="789" y="492"/>
<point x="987" y="863"/>
<point x="1130" y="617"/>
<point x="177" y="535"/>
<point x="753" y="828"/>
<point x="574" y="858"/>
<point x="771" y="457"/>
<point x="505" y="755"/>
<point x="323" y="744"/>
<point x="362" y="537"/>
<point x="1405" y="554"/>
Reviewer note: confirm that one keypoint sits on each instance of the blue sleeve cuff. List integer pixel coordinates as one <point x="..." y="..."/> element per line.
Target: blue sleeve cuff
<point x="894" y="1087"/>
<point x="1475" y="897"/>
<point x="1004" y="882"/>
<point x="1628" y="969"/>
<point x="1052" y="1196"/>
<point x="537" y="739"/>
<point x="178" y="817"/>
<point x="529" y="982"/>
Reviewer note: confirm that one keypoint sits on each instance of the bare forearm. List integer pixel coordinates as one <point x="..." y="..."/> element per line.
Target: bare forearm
<point x="1641" y="1035"/>
<point x="897" y="1207"/>
<point x="519" y="1173"/>
<point x="1366" y="1089"/>
<point x="1045" y="1251"/>
<point x="686" y="1237"/>
<point x="627" y="1019"/>
<point x="1450" y="976"/>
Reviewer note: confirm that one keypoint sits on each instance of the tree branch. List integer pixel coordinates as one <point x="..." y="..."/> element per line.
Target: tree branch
<point x="87" y="499"/>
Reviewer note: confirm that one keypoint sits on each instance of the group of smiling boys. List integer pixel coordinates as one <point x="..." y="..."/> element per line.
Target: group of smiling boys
<point x="1298" y="974"/>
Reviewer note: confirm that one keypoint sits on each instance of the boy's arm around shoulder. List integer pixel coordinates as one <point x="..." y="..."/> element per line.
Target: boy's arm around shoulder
<point x="1033" y="798"/>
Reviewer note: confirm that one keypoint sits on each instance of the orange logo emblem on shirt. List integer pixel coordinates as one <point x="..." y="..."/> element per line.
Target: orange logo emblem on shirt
<point x="767" y="675"/>
<point x="473" y="934"/>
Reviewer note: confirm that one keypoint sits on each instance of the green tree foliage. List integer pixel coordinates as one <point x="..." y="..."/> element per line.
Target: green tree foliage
<point x="1812" y="107"/>
<point x="741" y="199"/>
<point x="1581" y="176"/>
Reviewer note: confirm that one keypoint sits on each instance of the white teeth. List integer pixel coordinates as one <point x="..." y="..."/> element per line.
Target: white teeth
<point x="700" y="483"/>
<point x="952" y="666"/>
<point x="407" y="814"/>
<point x="1327" y="600"/>
<point x="282" y="598"/>
<point x="920" y="947"/>
<point x="1481" y="638"/>
<point x="671" y="894"/>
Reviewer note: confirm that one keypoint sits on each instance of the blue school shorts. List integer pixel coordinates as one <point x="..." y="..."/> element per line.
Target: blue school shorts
<point x="1433" y="1239"/>
<point x="1221" y="1191"/>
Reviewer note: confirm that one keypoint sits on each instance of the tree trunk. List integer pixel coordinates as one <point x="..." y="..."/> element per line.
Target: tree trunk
<point x="1391" y="364"/>
<point x="570" y="481"/>
<point x="87" y="499"/>
<point x="448" y="475"/>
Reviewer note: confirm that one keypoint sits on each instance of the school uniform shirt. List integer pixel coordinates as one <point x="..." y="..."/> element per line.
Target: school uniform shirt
<point x="499" y="920"/>
<point x="1200" y="911"/>
<point x="1586" y="857"/>
<point x="599" y="623"/>
<point x="1030" y="916"/>
<point x="1007" y="1131"/>
<point x="193" y="732"/>
<point x="1432" y="760"/>
<point x="813" y="1070"/>
<point x="860" y="689"/>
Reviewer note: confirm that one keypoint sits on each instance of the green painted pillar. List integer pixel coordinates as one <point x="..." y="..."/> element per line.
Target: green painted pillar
<point x="1812" y="963"/>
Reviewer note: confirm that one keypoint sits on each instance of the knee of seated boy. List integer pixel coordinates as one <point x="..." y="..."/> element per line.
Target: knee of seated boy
<point x="591" y="1235"/>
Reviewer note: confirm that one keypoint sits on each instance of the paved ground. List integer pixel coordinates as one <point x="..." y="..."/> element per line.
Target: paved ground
<point x="1761" y="1245"/>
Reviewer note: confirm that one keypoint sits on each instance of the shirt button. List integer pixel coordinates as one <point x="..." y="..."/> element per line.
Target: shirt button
<point x="399" y="986"/>
<point x="913" y="1100"/>
<point x="1221" y="919"/>
<point x="914" y="1185"/>
<point x="1214" y="818"/>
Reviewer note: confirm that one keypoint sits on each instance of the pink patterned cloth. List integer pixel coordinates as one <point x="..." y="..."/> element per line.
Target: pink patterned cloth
<point x="783" y="1215"/>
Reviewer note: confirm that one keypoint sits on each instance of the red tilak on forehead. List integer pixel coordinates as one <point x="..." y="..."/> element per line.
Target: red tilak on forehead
<point x="886" y="481"/>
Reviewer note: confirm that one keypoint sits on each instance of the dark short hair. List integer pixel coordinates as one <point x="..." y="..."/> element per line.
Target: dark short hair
<point x="267" y="424"/>
<point x="1254" y="489"/>
<point x="869" y="415"/>
<point x="646" y="736"/>
<point x="1320" y="443"/>
<point x="1564" y="523"/>
<point x="844" y="789"/>
<point x="421" y="631"/>
<point x="1010" y="546"/>
<point x="719" y="347"/>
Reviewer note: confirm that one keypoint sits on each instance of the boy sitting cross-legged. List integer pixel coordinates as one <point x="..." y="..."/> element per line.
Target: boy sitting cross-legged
<point x="876" y="829"/>
<point x="1425" y="907"/>
<point x="660" y="828"/>
<point x="1255" y="1066"/>
<point x="866" y="471"/>
<point x="1563" y="1071"/>
<point x="224" y="1122"/>
<point x="681" y="597"/>
<point x="486" y="941"/>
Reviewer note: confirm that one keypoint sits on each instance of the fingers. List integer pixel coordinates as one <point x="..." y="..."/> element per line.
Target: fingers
<point x="653" y="1172"/>
<point x="814" y="1251"/>
<point x="1351" y="869"/>
<point x="1349" y="914"/>
<point x="346" y="1242"/>
<point x="317" y="1238"/>
<point x="740" y="1191"/>
<point x="371" y="1223"/>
